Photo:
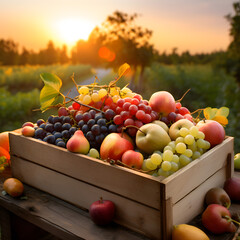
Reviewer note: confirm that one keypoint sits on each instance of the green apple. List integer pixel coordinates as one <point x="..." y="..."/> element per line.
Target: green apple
<point x="161" y="124"/>
<point x="175" y="128"/>
<point x="151" y="137"/>
<point x="237" y="161"/>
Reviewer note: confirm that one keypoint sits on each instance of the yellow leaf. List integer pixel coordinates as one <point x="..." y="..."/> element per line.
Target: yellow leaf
<point x="221" y="119"/>
<point x="123" y="69"/>
<point x="209" y="112"/>
<point x="223" y="111"/>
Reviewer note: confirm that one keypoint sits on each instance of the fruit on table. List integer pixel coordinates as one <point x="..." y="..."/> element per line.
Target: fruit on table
<point x="5" y="153"/>
<point x="102" y="212"/>
<point x="237" y="161"/>
<point x="4" y="140"/>
<point x="114" y="145"/>
<point x="78" y="143"/>
<point x="217" y="195"/>
<point x="188" y="232"/>
<point x="214" y="131"/>
<point x="13" y="187"/>
<point x="28" y="131"/>
<point x="133" y="159"/>
<point x="232" y="187"/>
<point x="174" y="130"/>
<point x="162" y="102"/>
<point x="216" y="219"/>
<point x="151" y="137"/>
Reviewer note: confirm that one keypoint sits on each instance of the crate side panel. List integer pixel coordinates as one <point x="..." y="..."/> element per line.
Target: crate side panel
<point x="192" y="175"/>
<point x="126" y="182"/>
<point x="131" y="214"/>
<point x="193" y="203"/>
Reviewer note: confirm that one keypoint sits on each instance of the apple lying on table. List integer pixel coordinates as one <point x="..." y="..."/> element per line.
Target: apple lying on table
<point x="213" y="130"/>
<point x="102" y="212"/>
<point x="114" y="145"/>
<point x="216" y="219"/>
<point x="232" y="187"/>
<point x="162" y="102"/>
<point x="217" y="195"/>
<point x="133" y="159"/>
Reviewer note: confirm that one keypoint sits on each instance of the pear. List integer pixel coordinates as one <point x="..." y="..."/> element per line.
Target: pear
<point x="78" y="143"/>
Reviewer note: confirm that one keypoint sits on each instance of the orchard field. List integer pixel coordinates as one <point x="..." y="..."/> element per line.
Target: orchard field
<point x="20" y="88"/>
<point x="210" y="87"/>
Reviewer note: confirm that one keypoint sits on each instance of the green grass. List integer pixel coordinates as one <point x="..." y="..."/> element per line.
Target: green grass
<point x="20" y="88"/>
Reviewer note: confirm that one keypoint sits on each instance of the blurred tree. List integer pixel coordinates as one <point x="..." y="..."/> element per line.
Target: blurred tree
<point x="233" y="61"/>
<point x="8" y="52"/>
<point x="126" y="42"/>
<point x="63" y="58"/>
<point x="24" y="57"/>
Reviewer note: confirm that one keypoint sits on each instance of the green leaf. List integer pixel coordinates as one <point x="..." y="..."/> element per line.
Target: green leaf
<point x="123" y="69"/>
<point x="51" y="90"/>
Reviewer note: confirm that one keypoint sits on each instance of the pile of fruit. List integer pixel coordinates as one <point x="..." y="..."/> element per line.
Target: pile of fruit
<point x="156" y="136"/>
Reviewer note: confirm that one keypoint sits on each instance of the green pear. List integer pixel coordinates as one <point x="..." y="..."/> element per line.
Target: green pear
<point x="237" y="161"/>
<point x="151" y="137"/>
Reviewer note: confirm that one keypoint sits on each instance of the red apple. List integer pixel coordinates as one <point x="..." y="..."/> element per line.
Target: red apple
<point x="214" y="131"/>
<point x="133" y="159"/>
<point x="114" y="145"/>
<point x="232" y="187"/>
<point x="162" y="102"/>
<point x="102" y="212"/>
<point x="214" y="218"/>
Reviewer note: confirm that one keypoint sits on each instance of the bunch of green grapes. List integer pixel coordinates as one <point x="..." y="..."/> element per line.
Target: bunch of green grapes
<point x="189" y="146"/>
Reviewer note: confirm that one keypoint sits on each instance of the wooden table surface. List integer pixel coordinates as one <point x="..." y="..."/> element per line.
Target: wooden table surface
<point x="65" y="221"/>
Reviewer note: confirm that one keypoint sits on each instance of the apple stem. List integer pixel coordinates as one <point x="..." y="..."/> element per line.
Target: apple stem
<point x="231" y="220"/>
<point x="85" y="105"/>
<point x="101" y="200"/>
<point x="124" y="128"/>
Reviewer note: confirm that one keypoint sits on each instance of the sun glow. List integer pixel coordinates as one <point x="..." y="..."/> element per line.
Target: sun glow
<point x="71" y="30"/>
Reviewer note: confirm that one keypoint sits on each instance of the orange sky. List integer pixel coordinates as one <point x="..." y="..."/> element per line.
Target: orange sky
<point x="197" y="26"/>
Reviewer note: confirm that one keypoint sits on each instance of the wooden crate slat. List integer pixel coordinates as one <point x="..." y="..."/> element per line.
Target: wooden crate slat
<point x="133" y="215"/>
<point x="193" y="204"/>
<point x="126" y="182"/>
<point x="185" y="180"/>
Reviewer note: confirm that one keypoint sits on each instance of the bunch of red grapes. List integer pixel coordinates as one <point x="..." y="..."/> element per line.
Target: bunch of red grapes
<point x="180" y="113"/>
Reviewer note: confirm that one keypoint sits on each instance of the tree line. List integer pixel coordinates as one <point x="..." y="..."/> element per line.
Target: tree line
<point x="120" y="40"/>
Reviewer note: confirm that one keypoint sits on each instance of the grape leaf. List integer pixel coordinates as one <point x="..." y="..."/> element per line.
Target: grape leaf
<point x="220" y="115"/>
<point x="51" y="90"/>
<point x="123" y="69"/>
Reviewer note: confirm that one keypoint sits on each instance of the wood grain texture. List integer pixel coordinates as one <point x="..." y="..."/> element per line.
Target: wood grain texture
<point x="137" y="186"/>
<point x="128" y="213"/>
<point x="61" y="219"/>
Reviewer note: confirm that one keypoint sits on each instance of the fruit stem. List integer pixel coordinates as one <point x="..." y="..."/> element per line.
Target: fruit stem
<point x="124" y="128"/>
<point x="179" y="100"/>
<point x="101" y="200"/>
<point x="85" y="105"/>
<point x="231" y="220"/>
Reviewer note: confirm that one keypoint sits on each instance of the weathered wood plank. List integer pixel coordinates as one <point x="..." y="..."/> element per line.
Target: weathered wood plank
<point x="61" y="219"/>
<point x="137" y="186"/>
<point x="128" y="213"/>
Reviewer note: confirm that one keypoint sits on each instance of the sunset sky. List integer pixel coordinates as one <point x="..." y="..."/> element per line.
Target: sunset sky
<point x="194" y="25"/>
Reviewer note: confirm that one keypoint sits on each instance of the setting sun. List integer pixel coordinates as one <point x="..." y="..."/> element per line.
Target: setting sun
<point x="71" y="30"/>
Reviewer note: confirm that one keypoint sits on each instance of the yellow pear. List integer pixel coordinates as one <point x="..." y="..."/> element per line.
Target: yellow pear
<point x="188" y="232"/>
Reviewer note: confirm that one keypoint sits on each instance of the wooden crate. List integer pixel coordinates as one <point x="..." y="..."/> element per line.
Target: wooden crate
<point x="146" y="204"/>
